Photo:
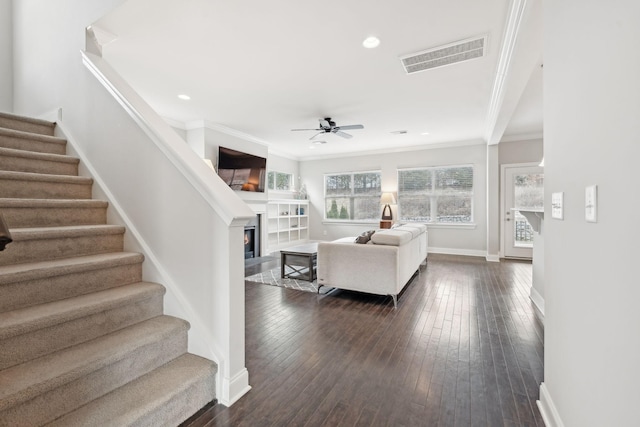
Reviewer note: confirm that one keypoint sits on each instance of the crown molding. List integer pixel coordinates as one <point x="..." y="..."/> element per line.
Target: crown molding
<point x="522" y="137"/>
<point x="205" y="124"/>
<point x="404" y="149"/>
<point x="509" y="42"/>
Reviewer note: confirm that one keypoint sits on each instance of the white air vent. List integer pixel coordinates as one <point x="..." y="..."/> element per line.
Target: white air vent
<point x="444" y="55"/>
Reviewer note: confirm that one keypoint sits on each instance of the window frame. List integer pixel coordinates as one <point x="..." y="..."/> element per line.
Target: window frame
<point x="275" y="190"/>
<point x="433" y="197"/>
<point x="352" y="195"/>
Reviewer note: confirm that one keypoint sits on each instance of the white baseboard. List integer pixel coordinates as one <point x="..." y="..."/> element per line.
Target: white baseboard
<point x="234" y="388"/>
<point x="493" y="258"/>
<point x="548" y="410"/>
<point x="538" y="302"/>
<point x="454" y="251"/>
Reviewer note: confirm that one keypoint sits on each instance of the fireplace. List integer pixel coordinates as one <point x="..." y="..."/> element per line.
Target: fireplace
<point x="252" y="238"/>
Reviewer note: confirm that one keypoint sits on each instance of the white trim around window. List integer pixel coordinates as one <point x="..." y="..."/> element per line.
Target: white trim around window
<point x="440" y="196"/>
<point x="352" y="197"/>
<point x="284" y="180"/>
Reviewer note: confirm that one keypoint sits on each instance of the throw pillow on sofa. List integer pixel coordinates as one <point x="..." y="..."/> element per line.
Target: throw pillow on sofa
<point x="365" y="237"/>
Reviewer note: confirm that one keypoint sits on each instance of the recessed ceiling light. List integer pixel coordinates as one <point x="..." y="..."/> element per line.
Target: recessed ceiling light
<point x="371" y="42"/>
<point x="184" y="97"/>
<point x="424" y="133"/>
<point x="398" y="132"/>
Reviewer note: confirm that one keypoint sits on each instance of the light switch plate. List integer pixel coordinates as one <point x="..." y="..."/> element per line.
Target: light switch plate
<point x="557" y="205"/>
<point x="591" y="203"/>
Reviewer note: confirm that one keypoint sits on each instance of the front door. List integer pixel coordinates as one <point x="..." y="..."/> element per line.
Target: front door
<point x="523" y="188"/>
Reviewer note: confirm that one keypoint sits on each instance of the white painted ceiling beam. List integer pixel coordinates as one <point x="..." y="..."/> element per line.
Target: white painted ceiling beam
<point x="520" y="55"/>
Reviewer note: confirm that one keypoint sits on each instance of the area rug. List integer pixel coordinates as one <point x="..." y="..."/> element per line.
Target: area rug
<point x="272" y="277"/>
<point x="258" y="260"/>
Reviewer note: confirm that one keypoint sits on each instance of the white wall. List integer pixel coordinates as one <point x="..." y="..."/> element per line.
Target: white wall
<point x="442" y="239"/>
<point x="6" y="56"/>
<point x="520" y="151"/>
<point x="48" y="38"/>
<point x="493" y="204"/>
<point x="591" y="132"/>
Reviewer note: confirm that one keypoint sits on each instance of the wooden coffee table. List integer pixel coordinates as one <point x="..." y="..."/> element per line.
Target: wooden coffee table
<point x="301" y="259"/>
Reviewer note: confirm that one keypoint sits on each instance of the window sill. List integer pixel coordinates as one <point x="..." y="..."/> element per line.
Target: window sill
<point x="440" y="225"/>
<point x="338" y="222"/>
<point x="445" y="225"/>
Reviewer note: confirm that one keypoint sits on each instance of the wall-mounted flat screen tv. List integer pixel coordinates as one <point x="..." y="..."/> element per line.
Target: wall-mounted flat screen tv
<point x="242" y="171"/>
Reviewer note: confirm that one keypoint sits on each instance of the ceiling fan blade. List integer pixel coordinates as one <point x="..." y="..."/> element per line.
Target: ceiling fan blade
<point x="304" y="129"/>
<point x="351" y="127"/>
<point x="343" y="134"/>
<point x="317" y="134"/>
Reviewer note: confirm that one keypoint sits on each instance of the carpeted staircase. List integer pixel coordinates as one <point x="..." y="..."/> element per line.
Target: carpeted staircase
<point x="83" y="340"/>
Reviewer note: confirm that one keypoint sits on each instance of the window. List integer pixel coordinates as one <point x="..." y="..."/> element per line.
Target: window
<point x="352" y="196"/>
<point x="280" y="181"/>
<point x="438" y="194"/>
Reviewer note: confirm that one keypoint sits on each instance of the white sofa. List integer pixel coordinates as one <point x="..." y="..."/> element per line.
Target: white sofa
<point x="383" y="266"/>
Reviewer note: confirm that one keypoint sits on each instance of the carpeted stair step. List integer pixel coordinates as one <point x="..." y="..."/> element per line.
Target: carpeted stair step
<point x="21" y="213"/>
<point x="28" y="141"/>
<point x="166" y="396"/>
<point x="25" y="185"/>
<point x="26" y="124"/>
<point x="30" y="161"/>
<point x="46" y="388"/>
<point x="39" y="330"/>
<point x="29" y="284"/>
<point x="40" y="244"/>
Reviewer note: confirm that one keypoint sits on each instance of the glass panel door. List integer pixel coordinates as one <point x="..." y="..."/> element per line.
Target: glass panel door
<point x="524" y="189"/>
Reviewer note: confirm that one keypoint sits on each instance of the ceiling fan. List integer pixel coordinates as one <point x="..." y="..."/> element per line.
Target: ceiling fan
<point x="329" y="126"/>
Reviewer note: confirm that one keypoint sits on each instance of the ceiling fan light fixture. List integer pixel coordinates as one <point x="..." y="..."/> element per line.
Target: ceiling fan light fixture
<point x="315" y="144"/>
<point x="371" y="42"/>
<point x="184" y="97"/>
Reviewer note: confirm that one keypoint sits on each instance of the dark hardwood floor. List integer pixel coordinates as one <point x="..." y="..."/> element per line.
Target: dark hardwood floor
<point x="464" y="348"/>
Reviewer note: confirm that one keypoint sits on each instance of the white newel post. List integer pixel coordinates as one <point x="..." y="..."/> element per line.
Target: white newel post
<point x="234" y="374"/>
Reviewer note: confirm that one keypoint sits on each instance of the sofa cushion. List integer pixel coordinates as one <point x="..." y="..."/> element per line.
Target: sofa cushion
<point x="344" y="240"/>
<point x="415" y="229"/>
<point x="393" y="237"/>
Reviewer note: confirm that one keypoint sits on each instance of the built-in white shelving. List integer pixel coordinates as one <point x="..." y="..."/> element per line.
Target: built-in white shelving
<point x="287" y="223"/>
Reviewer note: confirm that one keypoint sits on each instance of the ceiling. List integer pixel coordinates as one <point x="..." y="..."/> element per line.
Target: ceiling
<point x="264" y="68"/>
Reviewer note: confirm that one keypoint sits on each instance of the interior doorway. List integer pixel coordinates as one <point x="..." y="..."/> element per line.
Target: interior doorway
<point x="523" y="187"/>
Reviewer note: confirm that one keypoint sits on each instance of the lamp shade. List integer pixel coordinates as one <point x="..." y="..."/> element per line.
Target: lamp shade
<point x="387" y="199"/>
